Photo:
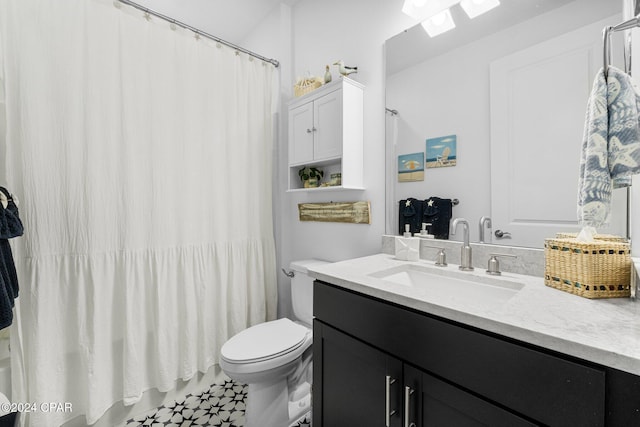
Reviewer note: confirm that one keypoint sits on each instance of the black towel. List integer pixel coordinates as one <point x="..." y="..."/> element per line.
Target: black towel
<point x="438" y="212"/>
<point x="10" y="226"/>
<point x="8" y="284"/>
<point x="411" y="211"/>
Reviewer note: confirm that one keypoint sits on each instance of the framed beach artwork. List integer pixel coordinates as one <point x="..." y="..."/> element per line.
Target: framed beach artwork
<point x="441" y="151"/>
<point x="411" y="167"/>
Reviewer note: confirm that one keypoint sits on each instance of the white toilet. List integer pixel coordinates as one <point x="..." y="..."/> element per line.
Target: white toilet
<point x="274" y="359"/>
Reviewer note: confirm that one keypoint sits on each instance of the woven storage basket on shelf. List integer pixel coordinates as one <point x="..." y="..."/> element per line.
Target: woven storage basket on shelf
<point x="599" y="269"/>
<point x="305" y="87"/>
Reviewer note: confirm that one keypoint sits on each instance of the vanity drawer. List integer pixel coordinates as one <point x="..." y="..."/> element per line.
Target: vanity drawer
<point x="536" y="383"/>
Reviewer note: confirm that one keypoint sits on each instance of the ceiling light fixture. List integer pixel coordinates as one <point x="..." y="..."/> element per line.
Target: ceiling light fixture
<point x="438" y="24"/>
<point x="425" y="9"/>
<point x="474" y="8"/>
<point x="435" y="15"/>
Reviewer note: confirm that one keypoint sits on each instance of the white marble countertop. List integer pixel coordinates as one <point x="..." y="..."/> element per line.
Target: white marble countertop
<point x="604" y="331"/>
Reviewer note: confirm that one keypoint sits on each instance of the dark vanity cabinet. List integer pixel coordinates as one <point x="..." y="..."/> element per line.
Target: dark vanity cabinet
<point x="353" y="387"/>
<point x="380" y="364"/>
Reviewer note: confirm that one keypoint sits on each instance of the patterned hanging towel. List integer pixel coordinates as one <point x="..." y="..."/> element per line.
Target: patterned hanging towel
<point x="610" y="145"/>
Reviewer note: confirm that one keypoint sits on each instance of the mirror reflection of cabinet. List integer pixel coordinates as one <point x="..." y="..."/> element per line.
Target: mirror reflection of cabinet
<point x="326" y="132"/>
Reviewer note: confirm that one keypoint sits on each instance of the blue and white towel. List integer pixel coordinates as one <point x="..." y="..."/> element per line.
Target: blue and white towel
<point x="610" y="145"/>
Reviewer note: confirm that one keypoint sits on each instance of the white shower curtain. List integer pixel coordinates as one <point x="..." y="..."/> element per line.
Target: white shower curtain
<point x="141" y="155"/>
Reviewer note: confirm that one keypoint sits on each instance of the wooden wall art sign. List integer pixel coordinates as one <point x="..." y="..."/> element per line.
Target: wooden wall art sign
<point x="351" y="212"/>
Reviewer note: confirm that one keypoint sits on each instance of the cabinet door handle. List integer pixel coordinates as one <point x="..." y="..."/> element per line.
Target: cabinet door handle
<point x="387" y="403"/>
<point x="311" y="130"/>
<point x="407" y="406"/>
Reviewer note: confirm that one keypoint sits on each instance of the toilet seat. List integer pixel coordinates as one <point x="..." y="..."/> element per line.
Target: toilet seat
<point x="265" y="341"/>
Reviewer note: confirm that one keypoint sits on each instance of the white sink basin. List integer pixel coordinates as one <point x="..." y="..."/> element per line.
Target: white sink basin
<point x="452" y="287"/>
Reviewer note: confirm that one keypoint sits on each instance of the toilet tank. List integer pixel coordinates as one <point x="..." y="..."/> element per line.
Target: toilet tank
<point x="302" y="289"/>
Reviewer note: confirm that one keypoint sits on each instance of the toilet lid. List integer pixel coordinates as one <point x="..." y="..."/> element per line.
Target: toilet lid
<point x="264" y="341"/>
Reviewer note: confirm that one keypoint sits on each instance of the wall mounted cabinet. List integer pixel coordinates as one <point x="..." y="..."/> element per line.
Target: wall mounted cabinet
<point x="326" y="130"/>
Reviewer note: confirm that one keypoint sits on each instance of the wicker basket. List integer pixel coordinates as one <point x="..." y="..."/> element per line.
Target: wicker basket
<point x="306" y="86"/>
<point x="607" y="237"/>
<point x="599" y="269"/>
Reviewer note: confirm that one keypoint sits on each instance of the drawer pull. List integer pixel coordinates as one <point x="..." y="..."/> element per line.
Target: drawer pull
<point x="388" y="412"/>
<point x="407" y="406"/>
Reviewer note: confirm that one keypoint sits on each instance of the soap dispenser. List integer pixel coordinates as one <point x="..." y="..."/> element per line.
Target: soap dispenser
<point x="424" y="233"/>
<point x="407" y="247"/>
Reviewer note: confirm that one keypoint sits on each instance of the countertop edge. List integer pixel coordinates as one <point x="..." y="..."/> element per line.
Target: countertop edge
<point x="538" y="338"/>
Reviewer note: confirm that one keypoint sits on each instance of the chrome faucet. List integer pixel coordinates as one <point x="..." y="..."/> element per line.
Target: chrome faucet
<point x="485" y="220"/>
<point x="465" y="251"/>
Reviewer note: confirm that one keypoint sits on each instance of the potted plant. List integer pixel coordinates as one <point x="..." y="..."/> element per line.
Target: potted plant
<point x="310" y="176"/>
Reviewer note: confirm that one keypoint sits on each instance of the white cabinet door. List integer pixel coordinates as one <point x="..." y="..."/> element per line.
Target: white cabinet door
<point x="301" y="134"/>
<point x="326" y="132"/>
<point x="327" y="116"/>
<point x="538" y="103"/>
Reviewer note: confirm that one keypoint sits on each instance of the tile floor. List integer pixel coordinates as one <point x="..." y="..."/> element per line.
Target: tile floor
<point x="222" y="405"/>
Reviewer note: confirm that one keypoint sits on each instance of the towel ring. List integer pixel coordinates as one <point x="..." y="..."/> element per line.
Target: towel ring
<point x="606" y="49"/>
<point x="606" y="36"/>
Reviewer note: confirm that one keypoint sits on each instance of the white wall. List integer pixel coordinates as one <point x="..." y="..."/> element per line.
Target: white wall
<point x="449" y="94"/>
<point x="322" y="33"/>
<point x="273" y="39"/>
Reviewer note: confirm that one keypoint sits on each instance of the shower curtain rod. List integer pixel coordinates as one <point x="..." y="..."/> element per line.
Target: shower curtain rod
<point x="200" y="32"/>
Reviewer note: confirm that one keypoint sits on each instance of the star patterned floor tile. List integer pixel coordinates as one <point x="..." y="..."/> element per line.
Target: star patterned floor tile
<point x="221" y="405"/>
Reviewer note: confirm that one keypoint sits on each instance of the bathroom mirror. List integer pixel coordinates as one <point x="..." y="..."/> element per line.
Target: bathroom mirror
<point x="512" y="86"/>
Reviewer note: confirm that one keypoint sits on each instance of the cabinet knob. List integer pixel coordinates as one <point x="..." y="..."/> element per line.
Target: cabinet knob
<point x="311" y="130"/>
